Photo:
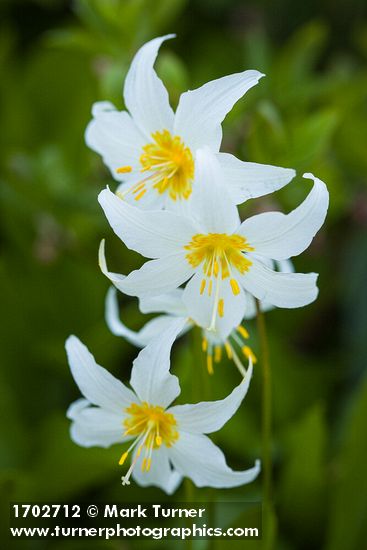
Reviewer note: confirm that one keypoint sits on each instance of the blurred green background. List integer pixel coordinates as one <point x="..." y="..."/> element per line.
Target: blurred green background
<point x="310" y="113"/>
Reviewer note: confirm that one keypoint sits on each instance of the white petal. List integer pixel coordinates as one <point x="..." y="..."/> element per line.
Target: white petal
<point x="93" y="426"/>
<point x="161" y="474"/>
<point x="200" y="112"/>
<point x="211" y="204"/>
<point x="114" y="135"/>
<point x="281" y="236"/>
<point x="179" y="206"/>
<point x="158" y="326"/>
<point x="200" y="306"/>
<point x="157" y="276"/>
<point x="76" y="407"/>
<point x="284" y="266"/>
<point x="95" y="382"/>
<point x="150" y="376"/>
<point x="207" y="417"/>
<point x="114" y="322"/>
<point x="170" y="302"/>
<point x="153" y="278"/>
<point x="144" y="93"/>
<point x="250" y="306"/>
<point x="247" y="180"/>
<point x="116" y="278"/>
<point x="150" y="330"/>
<point x="152" y="234"/>
<point x="288" y="290"/>
<point x="196" y="457"/>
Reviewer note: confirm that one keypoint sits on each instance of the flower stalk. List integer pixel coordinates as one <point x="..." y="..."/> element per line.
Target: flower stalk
<point x="266" y="420"/>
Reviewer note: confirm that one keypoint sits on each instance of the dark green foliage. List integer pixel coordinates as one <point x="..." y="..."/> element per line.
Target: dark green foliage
<point x="310" y="113"/>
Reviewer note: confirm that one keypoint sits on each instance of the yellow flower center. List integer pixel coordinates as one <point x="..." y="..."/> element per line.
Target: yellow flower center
<point x="170" y="165"/>
<point x="152" y="427"/>
<point x="218" y="253"/>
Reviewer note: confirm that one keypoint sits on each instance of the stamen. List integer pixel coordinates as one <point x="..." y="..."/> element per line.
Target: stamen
<point x="238" y="363"/>
<point x="141" y="194"/>
<point x="151" y="426"/>
<point x="158" y="439"/>
<point x="210" y="288"/>
<point x="204" y="344"/>
<point x="243" y="331"/>
<point x="170" y="163"/>
<point x="125" y="478"/>
<point x="124" y="169"/>
<point x="228" y="349"/>
<point x="247" y="352"/>
<point x="235" y="287"/>
<point x="138" y="188"/>
<point x="123" y="458"/>
<point x="217" y="354"/>
<point x="148" y="456"/>
<point x="221" y="307"/>
<point x="202" y="286"/>
<point x="216" y="268"/>
<point x="134" y="426"/>
<point x="209" y="364"/>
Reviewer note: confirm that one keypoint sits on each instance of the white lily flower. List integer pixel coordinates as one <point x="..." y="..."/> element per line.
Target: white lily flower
<point x="166" y="443"/>
<point x="170" y="306"/>
<point x="219" y="255"/>
<point x="153" y="150"/>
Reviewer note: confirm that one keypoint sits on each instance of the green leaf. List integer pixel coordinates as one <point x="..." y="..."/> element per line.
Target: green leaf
<point x="302" y="486"/>
<point x="347" y="527"/>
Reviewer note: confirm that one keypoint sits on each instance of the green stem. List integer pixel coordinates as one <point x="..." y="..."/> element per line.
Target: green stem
<point x="266" y="417"/>
<point x="189" y="497"/>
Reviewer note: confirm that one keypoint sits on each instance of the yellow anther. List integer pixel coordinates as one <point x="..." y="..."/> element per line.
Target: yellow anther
<point x="204" y="344"/>
<point x="234" y="286"/>
<point x="138" y="188"/>
<point x="140" y="195"/>
<point x="210" y="288"/>
<point x="216" y="268"/>
<point x="202" y="286"/>
<point x="228" y="350"/>
<point x="247" y="352"/>
<point x="123" y="458"/>
<point x="209" y="364"/>
<point x="243" y="331"/>
<point x="143" y="464"/>
<point x="221" y="307"/>
<point x="124" y="169"/>
<point x="162" y="187"/>
<point x="217" y="354"/>
<point x="158" y="440"/>
<point x="148" y="464"/>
